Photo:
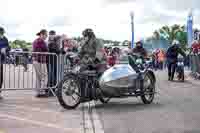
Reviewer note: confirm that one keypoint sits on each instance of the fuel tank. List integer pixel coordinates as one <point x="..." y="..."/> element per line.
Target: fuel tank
<point x="118" y="80"/>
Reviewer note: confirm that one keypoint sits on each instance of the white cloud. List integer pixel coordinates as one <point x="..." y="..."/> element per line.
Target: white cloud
<point x="110" y="19"/>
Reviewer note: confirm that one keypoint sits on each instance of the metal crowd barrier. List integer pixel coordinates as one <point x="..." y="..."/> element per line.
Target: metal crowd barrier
<point x="69" y="62"/>
<point x="195" y="63"/>
<point x="30" y="71"/>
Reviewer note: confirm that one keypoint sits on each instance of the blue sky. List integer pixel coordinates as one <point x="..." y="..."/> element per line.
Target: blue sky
<point x="110" y="19"/>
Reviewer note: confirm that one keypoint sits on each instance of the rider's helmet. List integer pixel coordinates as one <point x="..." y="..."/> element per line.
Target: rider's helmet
<point x="175" y="42"/>
<point x="139" y="43"/>
<point x="88" y="33"/>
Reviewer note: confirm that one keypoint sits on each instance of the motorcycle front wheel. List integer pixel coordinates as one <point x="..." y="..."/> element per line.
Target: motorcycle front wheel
<point x="68" y="93"/>
<point x="182" y="76"/>
<point x="149" y="89"/>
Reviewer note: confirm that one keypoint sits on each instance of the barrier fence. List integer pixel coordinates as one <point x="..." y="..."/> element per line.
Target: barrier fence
<point x="30" y="70"/>
<point x="195" y="64"/>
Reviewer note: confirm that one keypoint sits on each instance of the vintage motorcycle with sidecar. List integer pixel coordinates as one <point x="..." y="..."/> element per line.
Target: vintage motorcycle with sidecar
<point x="130" y="78"/>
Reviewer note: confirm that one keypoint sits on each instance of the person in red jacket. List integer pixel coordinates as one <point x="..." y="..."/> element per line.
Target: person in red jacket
<point x="39" y="63"/>
<point x="112" y="58"/>
<point x="196" y="47"/>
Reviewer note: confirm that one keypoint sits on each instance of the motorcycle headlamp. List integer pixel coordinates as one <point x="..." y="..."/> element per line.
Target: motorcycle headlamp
<point x="139" y="61"/>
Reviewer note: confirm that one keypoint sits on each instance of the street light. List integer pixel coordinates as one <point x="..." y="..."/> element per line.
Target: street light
<point x="132" y="28"/>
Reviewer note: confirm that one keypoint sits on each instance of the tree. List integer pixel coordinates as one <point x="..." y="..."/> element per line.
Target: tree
<point x="171" y="33"/>
<point x="20" y="44"/>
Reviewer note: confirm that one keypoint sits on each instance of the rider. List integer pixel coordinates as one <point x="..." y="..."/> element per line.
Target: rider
<point x="141" y="52"/>
<point x="172" y="58"/>
<point x="139" y="49"/>
<point x="91" y="52"/>
<point x="91" y="49"/>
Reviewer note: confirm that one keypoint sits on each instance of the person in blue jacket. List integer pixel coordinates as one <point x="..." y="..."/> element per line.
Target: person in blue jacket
<point x="172" y="58"/>
<point x="4" y="46"/>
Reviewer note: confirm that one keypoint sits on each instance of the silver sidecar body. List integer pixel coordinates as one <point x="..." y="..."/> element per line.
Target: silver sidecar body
<point x="118" y="80"/>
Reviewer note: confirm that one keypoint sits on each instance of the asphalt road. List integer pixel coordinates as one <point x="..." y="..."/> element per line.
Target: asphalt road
<point x="175" y="110"/>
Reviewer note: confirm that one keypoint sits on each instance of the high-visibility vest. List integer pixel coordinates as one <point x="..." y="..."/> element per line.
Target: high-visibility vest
<point x="161" y="56"/>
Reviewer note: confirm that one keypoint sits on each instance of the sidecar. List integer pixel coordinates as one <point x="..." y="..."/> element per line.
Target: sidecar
<point x="127" y="79"/>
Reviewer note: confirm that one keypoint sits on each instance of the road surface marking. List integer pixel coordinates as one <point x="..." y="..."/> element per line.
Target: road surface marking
<point x="96" y="121"/>
<point x="70" y="130"/>
<point x="88" y="123"/>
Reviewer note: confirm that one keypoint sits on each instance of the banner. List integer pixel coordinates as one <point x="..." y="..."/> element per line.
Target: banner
<point x="190" y="29"/>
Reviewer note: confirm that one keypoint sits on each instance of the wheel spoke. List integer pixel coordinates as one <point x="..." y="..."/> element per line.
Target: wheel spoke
<point x="77" y="93"/>
<point x="73" y="98"/>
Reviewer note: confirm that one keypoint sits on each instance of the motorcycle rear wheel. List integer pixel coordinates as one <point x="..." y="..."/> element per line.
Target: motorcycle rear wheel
<point x="66" y="90"/>
<point x="148" y="90"/>
<point x="183" y="77"/>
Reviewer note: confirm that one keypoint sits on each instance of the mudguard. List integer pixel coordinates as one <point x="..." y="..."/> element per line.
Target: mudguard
<point x="152" y="74"/>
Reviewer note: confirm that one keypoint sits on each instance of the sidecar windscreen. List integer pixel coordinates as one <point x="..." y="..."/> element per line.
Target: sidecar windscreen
<point x="124" y="59"/>
<point x="129" y="59"/>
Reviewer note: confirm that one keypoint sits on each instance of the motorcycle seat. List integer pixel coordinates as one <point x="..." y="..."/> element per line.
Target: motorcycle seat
<point x="89" y="73"/>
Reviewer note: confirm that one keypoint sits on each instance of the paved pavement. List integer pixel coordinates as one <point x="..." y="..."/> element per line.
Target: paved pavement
<point x="21" y="112"/>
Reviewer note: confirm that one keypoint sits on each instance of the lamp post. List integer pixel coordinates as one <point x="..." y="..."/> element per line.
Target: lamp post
<point x="132" y="29"/>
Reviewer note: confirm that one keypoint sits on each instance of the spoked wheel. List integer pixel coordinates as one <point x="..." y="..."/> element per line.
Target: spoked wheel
<point x="182" y="76"/>
<point x="149" y="89"/>
<point x="68" y="93"/>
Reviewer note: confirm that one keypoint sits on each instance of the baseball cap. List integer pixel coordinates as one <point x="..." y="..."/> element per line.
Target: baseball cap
<point x="43" y="31"/>
<point x="52" y="32"/>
